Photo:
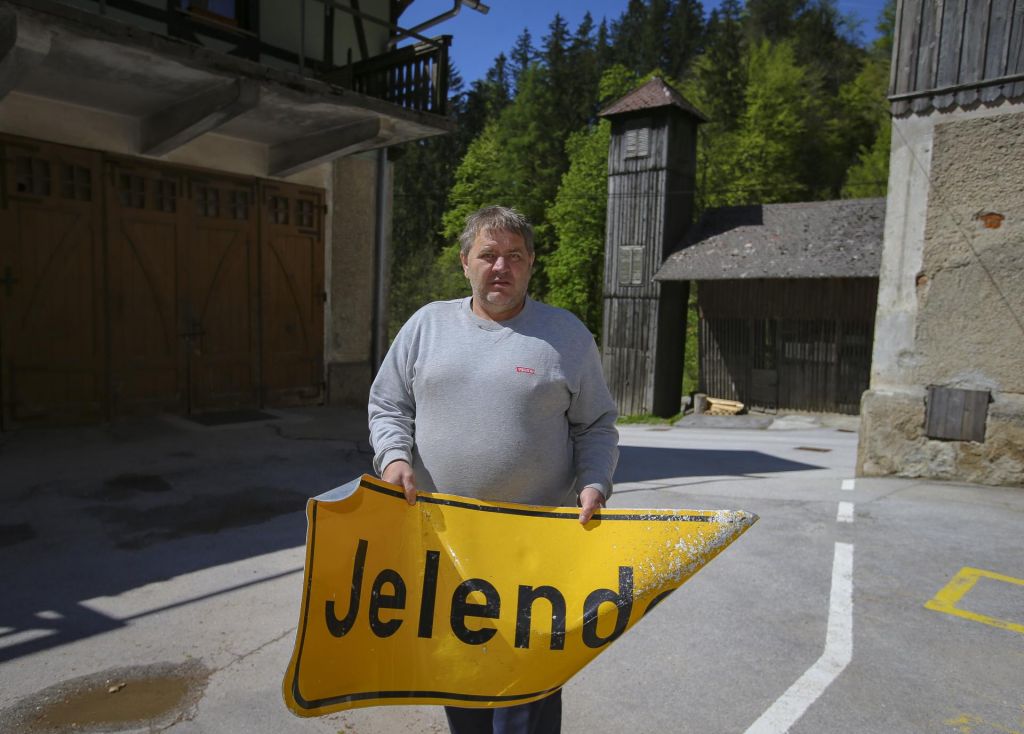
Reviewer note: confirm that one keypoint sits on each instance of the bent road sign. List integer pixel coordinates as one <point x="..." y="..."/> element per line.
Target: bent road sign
<point x="470" y="603"/>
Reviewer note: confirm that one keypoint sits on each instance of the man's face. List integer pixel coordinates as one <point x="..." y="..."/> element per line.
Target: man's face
<point x="498" y="266"/>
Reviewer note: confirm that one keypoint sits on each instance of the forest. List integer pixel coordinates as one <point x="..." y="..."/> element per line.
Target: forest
<point x="797" y="111"/>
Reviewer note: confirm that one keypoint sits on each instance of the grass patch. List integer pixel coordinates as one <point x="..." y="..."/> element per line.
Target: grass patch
<point x="647" y="419"/>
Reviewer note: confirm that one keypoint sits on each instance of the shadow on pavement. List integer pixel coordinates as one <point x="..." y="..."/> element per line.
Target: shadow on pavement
<point x="94" y="512"/>
<point x="644" y="464"/>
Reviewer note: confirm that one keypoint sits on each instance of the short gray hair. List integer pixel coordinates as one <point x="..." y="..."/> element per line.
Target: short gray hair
<point x="495" y="219"/>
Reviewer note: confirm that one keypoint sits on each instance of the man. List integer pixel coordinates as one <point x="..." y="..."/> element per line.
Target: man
<point x="497" y="397"/>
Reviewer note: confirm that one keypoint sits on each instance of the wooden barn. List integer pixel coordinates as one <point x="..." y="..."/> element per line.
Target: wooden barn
<point x="786" y="296"/>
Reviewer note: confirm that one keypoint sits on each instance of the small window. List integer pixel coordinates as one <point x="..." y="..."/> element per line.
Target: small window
<point x="32" y="176"/>
<point x="221" y="10"/>
<point x="304" y="213"/>
<point x="631" y="265"/>
<point x="637" y="142"/>
<point x="279" y="209"/>
<point x="207" y="201"/>
<point x="239" y="205"/>
<point x="167" y="196"/>
<point x="76" y="182"/>
<point x="132" y="191"/>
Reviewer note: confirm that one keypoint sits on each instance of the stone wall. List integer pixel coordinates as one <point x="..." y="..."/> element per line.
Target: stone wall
<point x="951" y="301"/>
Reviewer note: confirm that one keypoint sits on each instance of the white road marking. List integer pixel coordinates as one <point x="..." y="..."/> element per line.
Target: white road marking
<point x="788" y="709"/>
<point x="848" y="484"/>
<point x="845" y="512"/>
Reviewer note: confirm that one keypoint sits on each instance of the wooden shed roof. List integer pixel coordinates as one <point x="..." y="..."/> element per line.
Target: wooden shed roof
<point x="818" y="239"/>
<point x="655" y="94"/>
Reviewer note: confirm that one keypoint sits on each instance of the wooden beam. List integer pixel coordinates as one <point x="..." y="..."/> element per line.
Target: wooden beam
<point x="180" y="122"/>
<point x="364" y="50"/>
<point x="21" y="50"/>
<point x="296" y="155"/>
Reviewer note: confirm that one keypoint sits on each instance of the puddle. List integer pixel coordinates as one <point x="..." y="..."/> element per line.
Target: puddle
<point x="112" y="700"/>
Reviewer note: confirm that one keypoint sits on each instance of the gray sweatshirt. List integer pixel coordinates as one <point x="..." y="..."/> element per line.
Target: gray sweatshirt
<point x="515" y="410"/>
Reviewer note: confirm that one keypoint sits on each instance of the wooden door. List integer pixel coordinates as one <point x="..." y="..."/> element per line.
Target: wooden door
<point x="51" y="297"/>
<point x="146" y="219"/>
<point x="292" y="294"/>
<point x="219" y="295"/>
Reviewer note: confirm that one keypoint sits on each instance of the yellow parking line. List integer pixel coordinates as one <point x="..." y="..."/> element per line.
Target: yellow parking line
<point x="948" y="597"/>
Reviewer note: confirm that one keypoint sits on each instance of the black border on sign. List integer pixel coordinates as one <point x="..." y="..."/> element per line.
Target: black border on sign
<point x="454" y="697"/>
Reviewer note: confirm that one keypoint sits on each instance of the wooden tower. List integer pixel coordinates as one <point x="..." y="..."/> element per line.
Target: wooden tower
<point x="651" y="178"/>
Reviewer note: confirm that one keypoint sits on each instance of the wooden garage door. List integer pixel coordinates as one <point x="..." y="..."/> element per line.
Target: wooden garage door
<point x="292" y="294"/>
<point x="183" y="283"/>
<point x="130" y="287"/>
<point x="145" y="230"/>
<point x="52" y="340"/>
<point x="219" y="298"/>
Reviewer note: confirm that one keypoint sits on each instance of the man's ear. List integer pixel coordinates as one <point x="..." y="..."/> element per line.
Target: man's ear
<point x="465" y="263"/>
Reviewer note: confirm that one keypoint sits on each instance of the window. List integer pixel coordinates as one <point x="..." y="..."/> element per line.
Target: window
<point x="220" y="10"/>
<point x="278" y="209"/>
<point x="31" y="176"/>
<point x="76" y="182"/>
<point x="167" y="196"/>
<point x="637" y="142"/>
<point x="132" y="191"/>
<point x="631" y="265"/>
<point x="207" y="201"/>
<point x="304" y="213"/>
<point x="239" y="205"/>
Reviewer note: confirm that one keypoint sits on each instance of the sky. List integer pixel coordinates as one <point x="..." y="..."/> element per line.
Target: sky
<point x="478" y="38"/>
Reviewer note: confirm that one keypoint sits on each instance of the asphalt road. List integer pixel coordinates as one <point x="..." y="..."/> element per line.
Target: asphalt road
<point x="169" y="551"/>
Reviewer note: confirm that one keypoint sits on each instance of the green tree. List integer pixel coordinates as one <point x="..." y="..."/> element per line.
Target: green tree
<point x="522" y="57"/>
<point x="775" y="128"/>
<point x="576" y="268"/>
<point x="685" y="37"/>
<point x="721" y="71"/>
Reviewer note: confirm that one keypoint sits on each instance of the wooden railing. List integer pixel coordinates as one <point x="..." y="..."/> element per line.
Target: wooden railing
<point x="414" y="77"/>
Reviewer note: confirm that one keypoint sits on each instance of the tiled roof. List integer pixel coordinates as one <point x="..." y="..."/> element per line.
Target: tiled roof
<point x="652" y="95"/>
<point x="818" y="239"/>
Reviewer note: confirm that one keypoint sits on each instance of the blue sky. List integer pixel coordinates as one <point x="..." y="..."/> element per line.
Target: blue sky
<point x="480" y="38"/>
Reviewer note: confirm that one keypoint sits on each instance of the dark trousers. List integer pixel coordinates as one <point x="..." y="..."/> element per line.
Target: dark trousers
<point x="539" y="717"/>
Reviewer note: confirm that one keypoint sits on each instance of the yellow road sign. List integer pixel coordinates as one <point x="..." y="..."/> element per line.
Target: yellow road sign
<point x="470" y="603"/>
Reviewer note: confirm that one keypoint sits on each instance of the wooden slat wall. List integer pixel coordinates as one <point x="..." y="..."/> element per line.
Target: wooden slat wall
<point x="956" y="52"/>
<point x="809" y="340"/>
<point x="635" y="217"/>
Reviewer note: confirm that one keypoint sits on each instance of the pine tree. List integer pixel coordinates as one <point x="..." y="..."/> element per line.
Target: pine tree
<point x="628" y="37"/>
<point x="522" y="57"/>
<point x="685" y="37"/>
<point x="721" y="71"/>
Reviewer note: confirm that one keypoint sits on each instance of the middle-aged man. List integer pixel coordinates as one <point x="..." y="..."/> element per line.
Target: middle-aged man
<point x="498" y="397"/>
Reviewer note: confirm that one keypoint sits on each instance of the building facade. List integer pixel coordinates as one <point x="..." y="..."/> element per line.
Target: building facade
<point x="194" y="200"/>
<point x="946" y="399"/>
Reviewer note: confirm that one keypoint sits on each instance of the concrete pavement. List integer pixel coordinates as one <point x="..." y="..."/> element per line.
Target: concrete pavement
<point x="165" y="550"/>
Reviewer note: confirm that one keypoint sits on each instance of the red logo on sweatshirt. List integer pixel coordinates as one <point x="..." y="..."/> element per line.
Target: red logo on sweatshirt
<point x="527" y="370"/>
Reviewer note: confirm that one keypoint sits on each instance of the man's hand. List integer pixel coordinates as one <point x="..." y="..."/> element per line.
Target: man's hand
<point x="591" y="500"/>
<point x="399" y="472"/>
